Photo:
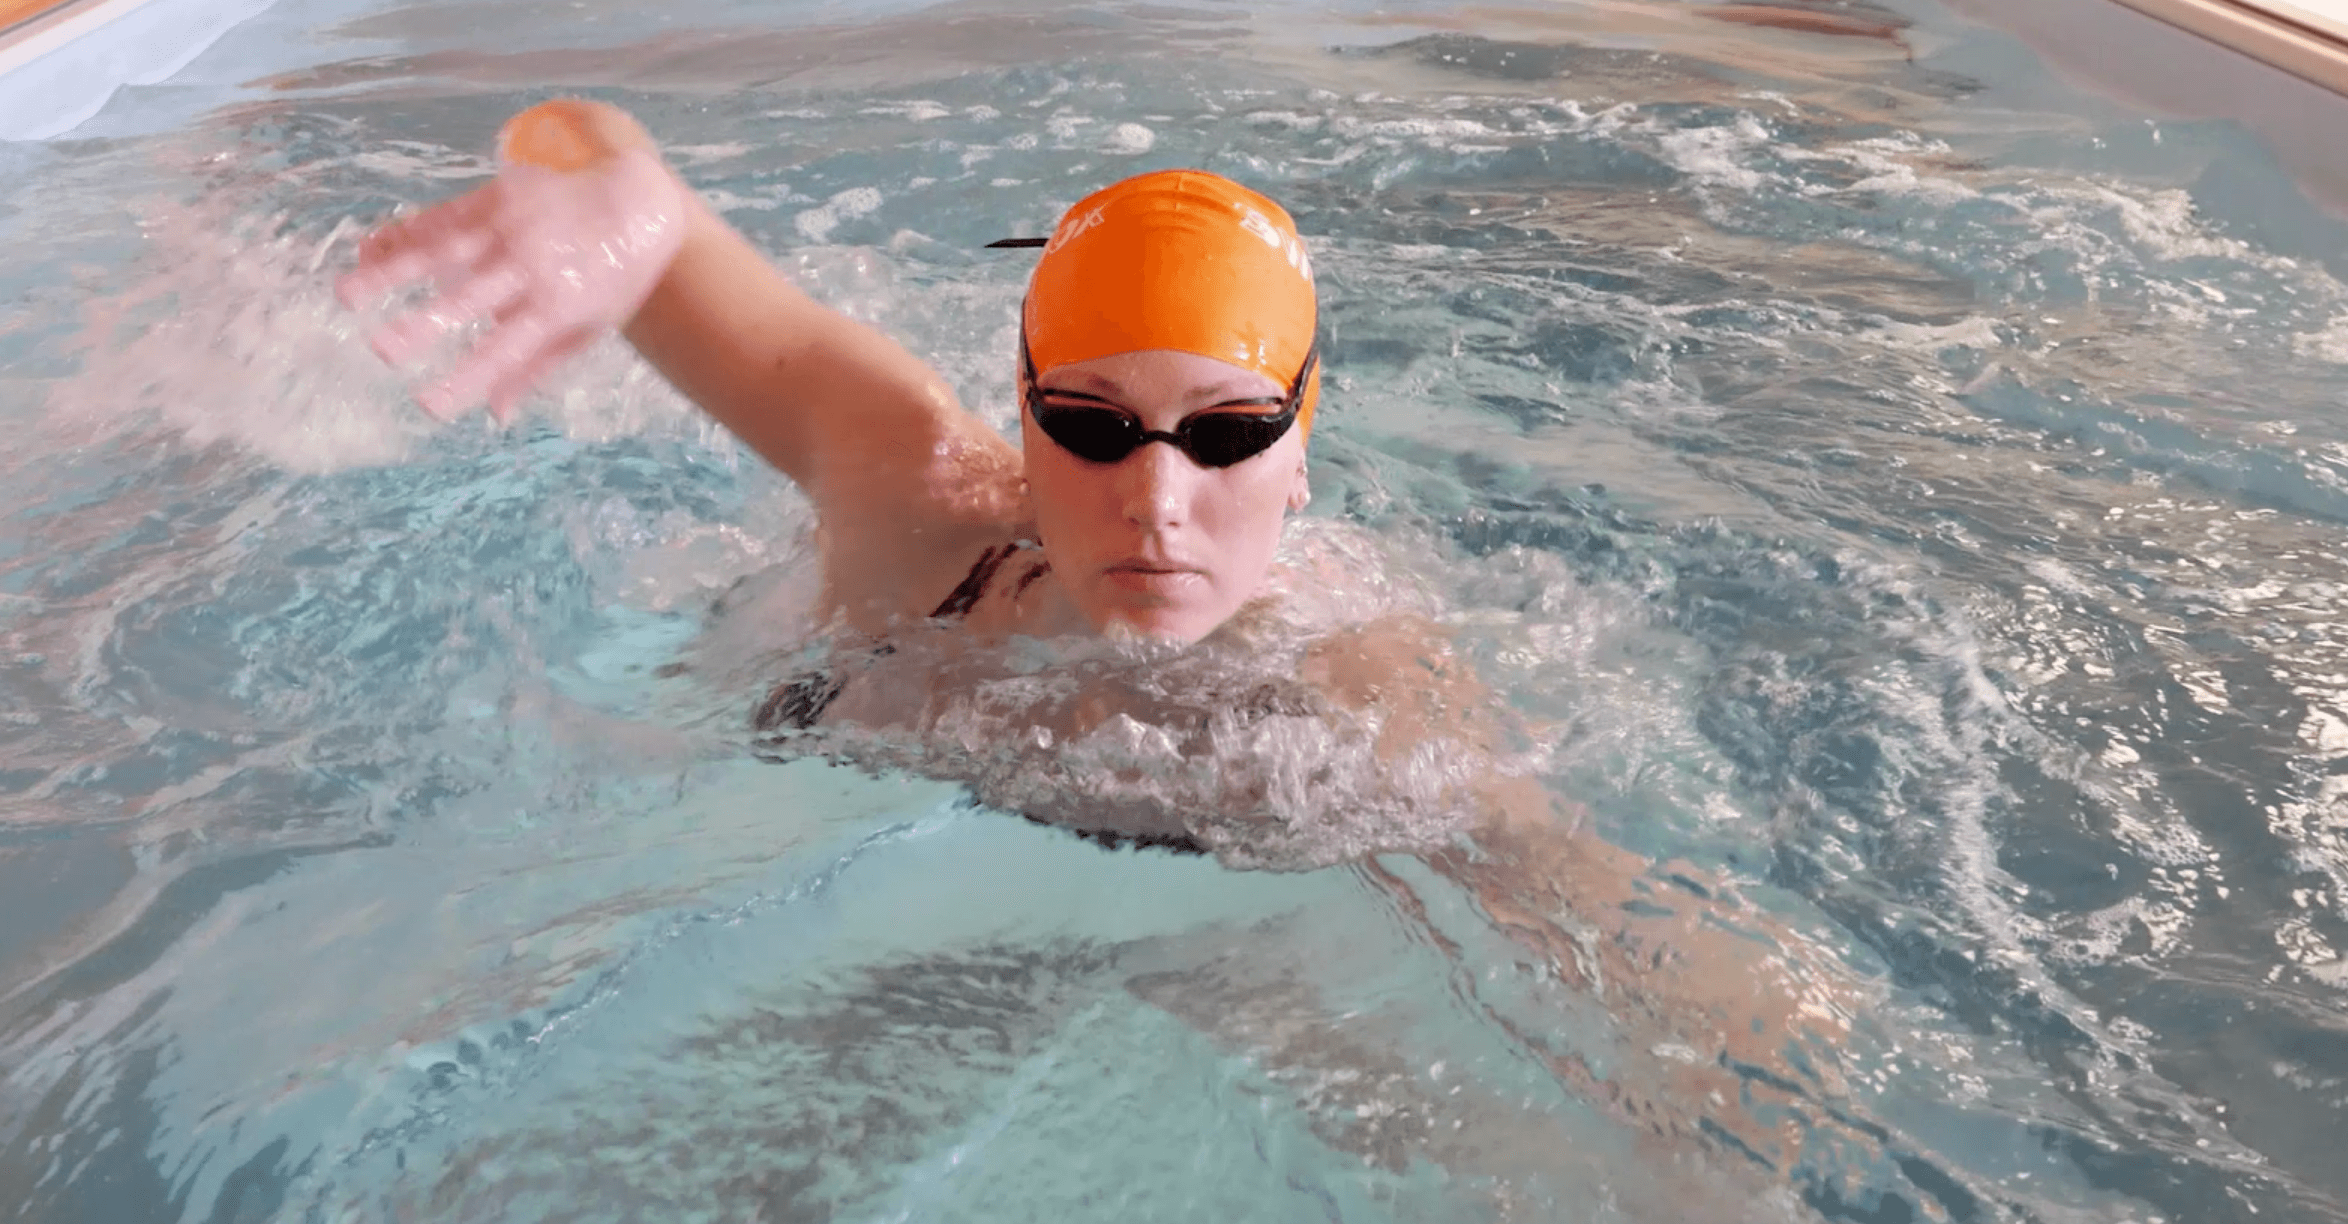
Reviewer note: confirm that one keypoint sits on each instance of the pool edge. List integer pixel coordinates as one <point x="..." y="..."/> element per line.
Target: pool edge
<point x="61" y="69"/>
<point x="51" y="29"/>
<point x="2305" y="45"/>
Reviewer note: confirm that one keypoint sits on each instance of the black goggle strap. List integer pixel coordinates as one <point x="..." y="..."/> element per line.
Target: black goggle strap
<point x="1304" y="375"/>
<point x="1026" y="360"/>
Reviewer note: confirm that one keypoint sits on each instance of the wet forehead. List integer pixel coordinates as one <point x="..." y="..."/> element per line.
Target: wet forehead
<point x="1185" y="387"/>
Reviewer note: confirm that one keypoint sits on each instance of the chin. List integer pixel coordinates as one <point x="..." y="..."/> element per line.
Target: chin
<point x="1170" y="626"/>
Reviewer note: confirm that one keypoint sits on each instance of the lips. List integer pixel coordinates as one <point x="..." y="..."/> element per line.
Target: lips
<point x="1148" y="576"/>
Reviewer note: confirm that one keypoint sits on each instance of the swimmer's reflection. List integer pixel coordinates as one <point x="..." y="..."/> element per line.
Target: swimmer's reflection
<point x="1168" y="382"/>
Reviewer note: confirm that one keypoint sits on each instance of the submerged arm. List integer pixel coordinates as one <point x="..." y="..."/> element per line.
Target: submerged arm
<point x="1713" y="996"/>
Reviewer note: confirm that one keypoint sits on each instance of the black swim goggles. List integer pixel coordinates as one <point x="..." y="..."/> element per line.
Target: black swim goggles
<point x="1098" y="431"/>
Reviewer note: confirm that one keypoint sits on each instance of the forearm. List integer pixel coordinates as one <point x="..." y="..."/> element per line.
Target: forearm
<point x="1539" y="866"/>
<point x="1720" y="1007"/>
<point x="806" y="387"/>
<point x="809" y="389"/>
<point x="1690" y="947"/>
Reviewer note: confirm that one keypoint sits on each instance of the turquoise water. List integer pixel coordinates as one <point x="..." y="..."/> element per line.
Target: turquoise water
<point x="1902" y="488"/>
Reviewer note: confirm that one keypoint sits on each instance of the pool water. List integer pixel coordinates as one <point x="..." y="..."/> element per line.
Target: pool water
<point x="1880" y="478"/>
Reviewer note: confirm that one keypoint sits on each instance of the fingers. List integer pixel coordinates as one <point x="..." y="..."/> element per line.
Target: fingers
<point x="509" y="351"/>
<point x="466" y="214"/>
<point x="509" y="390"/>
<point x="453" y="235"/>
<point x="484" y="294"/>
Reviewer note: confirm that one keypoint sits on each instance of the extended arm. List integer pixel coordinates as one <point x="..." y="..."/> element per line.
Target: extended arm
<point x="586" y="230"/>
<point x="824" y="398"/>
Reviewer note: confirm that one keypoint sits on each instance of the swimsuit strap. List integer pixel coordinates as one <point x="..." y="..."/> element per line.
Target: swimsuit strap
<point x="966" y="596"/>
<point x="1178" y="843"/>
<point x="799" y="703"/>
<point x="974" y="584"/>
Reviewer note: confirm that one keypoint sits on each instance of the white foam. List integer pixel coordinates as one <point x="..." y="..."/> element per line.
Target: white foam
<point x="721" y="200"/>
<point x="1890" y="166"/>
<point x="2167" y="224"/>
<point x="919" y="110"/>
<point x="1217" y="743"/>
<point x="1975" y="332"/>
<point x="1715" y="155"/>
<point x="816" y="224"/>
<point x="1294" y="121"/>
<point x="1947" y="724"/>
<point x="2330" y="344"/>
<point x="1424" y="129"/>
<point x="413" y="160"/>
<point x="2060" y="577"/>
<point x="705" y="154"/>
<point x="1128" y="139"/>
<point x="254" y="351"/>
<point x="228" y="331"/>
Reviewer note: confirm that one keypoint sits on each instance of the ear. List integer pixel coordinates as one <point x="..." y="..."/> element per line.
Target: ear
<point x="1300" y="494"/>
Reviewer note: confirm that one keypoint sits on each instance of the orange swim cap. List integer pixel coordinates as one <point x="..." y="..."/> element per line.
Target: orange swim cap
<point x="1183" y="260"/>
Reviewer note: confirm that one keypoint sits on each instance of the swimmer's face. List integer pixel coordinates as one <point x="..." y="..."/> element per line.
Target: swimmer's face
<point x="1156" y="545"/>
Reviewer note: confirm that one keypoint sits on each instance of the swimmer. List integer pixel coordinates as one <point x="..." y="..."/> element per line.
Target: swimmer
<point x="1169" y="380"/>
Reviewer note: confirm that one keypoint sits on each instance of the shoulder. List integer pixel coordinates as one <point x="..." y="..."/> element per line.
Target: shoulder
<point x="1377" y="637"/>
<point x="897" y="543"/>
<point x="1331" y="575"/>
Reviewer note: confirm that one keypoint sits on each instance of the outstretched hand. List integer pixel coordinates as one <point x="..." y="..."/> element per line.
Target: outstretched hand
<point x="551" y="259"/>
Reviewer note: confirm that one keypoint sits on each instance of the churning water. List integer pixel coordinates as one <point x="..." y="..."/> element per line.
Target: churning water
<point x="1916" y="497"/>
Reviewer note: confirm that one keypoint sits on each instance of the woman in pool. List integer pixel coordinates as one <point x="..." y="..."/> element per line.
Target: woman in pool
<point x="1157" y="311"/>
<point x="1169" y="378"/>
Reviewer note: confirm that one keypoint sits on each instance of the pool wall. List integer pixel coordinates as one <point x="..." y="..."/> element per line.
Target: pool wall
<point x="2120" y="49"/>
<point x="2301" y="40"/>
<point x="2280" y="67"/>
<point x="60" y="64"/>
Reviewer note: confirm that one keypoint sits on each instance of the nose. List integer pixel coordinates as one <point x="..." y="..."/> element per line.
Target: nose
<point x="1156" y="483"/>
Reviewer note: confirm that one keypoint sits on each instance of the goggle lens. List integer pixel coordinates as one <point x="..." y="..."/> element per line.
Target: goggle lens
<point x="1106" y="435"/>
<point x="1212" y="439"/>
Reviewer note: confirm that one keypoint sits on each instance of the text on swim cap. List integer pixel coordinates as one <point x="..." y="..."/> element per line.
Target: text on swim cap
<point x="1074" y="226"/>
<point x="1290" y="246"/>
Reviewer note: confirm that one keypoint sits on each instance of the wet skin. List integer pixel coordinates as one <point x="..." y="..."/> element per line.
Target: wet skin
<point x="1155" y="544"/>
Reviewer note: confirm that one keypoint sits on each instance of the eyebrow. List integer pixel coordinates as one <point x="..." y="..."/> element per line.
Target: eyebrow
<point x="1103" y="390"/>
<point x="1250" y="401"/>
